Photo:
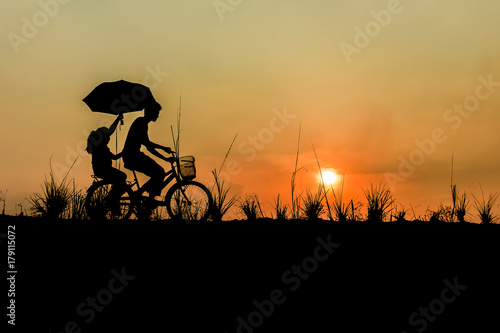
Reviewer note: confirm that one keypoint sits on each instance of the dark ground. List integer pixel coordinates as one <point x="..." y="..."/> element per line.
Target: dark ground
<point x="211" y="277"/>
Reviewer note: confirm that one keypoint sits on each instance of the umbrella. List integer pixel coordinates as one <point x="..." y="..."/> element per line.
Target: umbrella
<point x="118" y="97"/>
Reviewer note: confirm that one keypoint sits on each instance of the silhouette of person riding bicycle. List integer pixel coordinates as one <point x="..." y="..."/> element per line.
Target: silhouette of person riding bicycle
<point x="112" y="197"/>
<point x="136" y="160"/>
<point x="97" y="146"/>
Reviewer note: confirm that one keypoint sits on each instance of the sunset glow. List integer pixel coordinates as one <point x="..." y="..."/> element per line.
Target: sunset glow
<point x="329" y="177"/>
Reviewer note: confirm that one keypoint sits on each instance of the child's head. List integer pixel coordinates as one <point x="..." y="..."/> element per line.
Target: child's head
<point x="97" y="138"/>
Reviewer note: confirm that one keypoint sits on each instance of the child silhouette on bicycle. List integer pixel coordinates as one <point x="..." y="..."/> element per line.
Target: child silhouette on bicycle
<point x="97" y="146"/>
<point x="135" y="159"/>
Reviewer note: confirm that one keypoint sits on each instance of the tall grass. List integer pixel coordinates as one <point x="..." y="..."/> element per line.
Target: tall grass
<point x="222" y="201"/>
<point x="3" y="200"/>
<point x="399" y="212"/>
<point x="220" y="192"/>
<point x="20" y="205"/>
<point x="296" y="200"/>
<point x="176" y="138"/>
<point x="342" y="212"/>
<point x="460" y="203"/>
<point x="484" y="208"/>
<point x="380" y="202"/>
<point x="441" y="214"/>
<point x="250" y="208"/>
<point x="77" y="204"/>
<point x="322" y="186"/>
<point x="55" y="199"/>
<point x="312" y="205"/>
<point x="281" y="210"/>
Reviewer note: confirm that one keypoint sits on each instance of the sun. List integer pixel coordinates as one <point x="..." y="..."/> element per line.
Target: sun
<point x="329" y="176"/>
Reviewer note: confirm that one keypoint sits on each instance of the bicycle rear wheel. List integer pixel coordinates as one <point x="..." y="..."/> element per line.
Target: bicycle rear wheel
<point x="97" y="203"/>
<point x="189" y="200"/>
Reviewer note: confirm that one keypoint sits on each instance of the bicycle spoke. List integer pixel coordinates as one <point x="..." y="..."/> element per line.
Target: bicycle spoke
<point x="99" y="205"/>
<point x="188" y="202"/>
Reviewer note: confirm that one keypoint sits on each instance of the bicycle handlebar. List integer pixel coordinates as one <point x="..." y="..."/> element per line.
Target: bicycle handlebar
<point x="174" y="157"/>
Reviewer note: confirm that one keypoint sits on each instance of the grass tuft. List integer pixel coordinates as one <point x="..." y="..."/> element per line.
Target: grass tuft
<point x="77" y="204"/>
<point x="460" y="204"/>
<point x="484" y="208"/>
<point x="250" y="207"/>
<point x="380" y="202"/>
<point x="441" y="214"/>
<point x="222" y="201"/>
<point x="399" y="212"/>
<point x="281" y="210"/>
<point x="313" y="206"/>
<point x="344" y="212"/>
<point x="55" y="199"/>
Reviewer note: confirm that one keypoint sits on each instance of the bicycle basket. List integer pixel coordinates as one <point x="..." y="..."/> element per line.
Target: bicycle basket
<point x="187" y="168"/>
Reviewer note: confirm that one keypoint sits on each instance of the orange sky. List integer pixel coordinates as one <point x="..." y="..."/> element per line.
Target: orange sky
<point x="376" y="87"/>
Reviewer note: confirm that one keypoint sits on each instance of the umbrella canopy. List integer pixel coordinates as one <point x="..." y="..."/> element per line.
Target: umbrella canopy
<point x="119" y="97"/>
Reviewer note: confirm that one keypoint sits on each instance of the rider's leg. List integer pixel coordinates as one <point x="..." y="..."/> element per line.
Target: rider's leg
<point x="149" y="167"/>
<point x="118" y="179"/>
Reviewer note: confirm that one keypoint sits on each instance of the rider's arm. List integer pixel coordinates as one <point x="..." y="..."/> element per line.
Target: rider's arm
<point x="151" y="147"/>
<point x="157" y="146"/>
<point x="114" y="124"/>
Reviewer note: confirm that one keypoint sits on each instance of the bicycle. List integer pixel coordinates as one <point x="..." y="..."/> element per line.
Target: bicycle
<point x="186" y="199"/>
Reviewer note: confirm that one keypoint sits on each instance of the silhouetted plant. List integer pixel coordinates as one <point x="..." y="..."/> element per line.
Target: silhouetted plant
<point x="3" y="200"/>
<point x="344" y="212"/>
<point x="55" y="199"/>
<point x="340" y="209"/>
<point x="20" y="205"/>
<point x="219" y="191"/>
<point x="313" y="206"/>
<point x="460" y="205"/>
<point x="380" y="201"/>
<point x="399" y="212"/>
<point x="250" y="207"/>
<point x="296" y="200"/>
<point x="441" y="214"/>
<point x="281" y="209"/>
<point x="484" y="208"/>
<point x="77" y="204"/>
<point x="322" y="185"/>
<point x="354" y="210"/>
<point x="143" y="211"/>
<point x="222" y="202"/>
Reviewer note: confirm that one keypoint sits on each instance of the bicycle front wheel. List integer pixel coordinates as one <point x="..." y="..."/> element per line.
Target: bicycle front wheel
<point x="189" y="200"/>
<point x="99" y="207"/>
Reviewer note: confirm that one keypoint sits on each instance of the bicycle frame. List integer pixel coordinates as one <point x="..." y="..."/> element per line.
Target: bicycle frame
<point x="169" y="176"/>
